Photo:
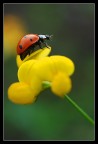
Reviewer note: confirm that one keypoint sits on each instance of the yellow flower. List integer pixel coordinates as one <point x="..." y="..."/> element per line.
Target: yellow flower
<point x="14" y="29"/>
<point x="36" y="69"/>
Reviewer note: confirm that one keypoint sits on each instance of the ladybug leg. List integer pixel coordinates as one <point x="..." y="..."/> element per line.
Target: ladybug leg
<point x="46" y="44"/>
<point x="30" y="50"/>
<point x="43" y="41"/>
<point x="39" y="43"/>
<point x="23" y="55"/>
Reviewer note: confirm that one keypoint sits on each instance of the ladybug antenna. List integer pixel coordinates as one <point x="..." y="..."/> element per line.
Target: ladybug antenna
<point x="51" y="36"/>
<point x="48" y="37"/>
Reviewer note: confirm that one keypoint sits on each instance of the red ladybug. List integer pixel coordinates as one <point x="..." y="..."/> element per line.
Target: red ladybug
<point x="29" y="42"/>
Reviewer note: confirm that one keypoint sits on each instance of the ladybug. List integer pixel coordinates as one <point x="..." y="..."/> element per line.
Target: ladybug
<point x="29" y="42"/>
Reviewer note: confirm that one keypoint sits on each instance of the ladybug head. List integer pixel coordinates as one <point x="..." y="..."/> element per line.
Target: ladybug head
<point x="47" y="37"/>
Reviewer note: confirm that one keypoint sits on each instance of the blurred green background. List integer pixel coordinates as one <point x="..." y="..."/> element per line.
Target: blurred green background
<point x="52" y="118"/>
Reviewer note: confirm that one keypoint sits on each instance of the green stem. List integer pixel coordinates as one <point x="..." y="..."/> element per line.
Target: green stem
<point x="47" y="84"/>
<point x="80" y="110"/>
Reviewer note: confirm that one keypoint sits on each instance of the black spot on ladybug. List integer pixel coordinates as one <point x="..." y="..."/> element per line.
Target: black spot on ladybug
<point x="20" y="46"/>
<point x="30" y="39"/>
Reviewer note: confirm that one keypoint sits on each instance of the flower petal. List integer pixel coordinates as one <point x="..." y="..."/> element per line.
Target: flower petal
<point x="61" y="84"/>
<point x="43" y="53"/>
<point x="19" y="62"/>
<point x="21" y="93"/>
<point x="64" y="64"/>
<point x="24" y="71"/>
<point x="44" y="69"/>
<point x="26" y="74"/>
<point x="35" y="55"/>
<point x="28" y="57"/>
